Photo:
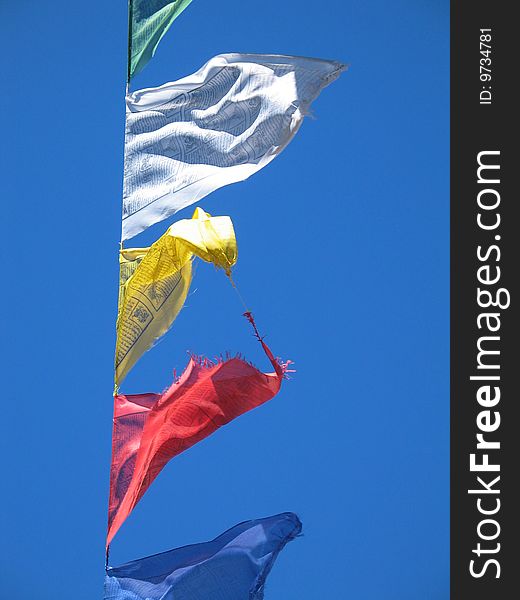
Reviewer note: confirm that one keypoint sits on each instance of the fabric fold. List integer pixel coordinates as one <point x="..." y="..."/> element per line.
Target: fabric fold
<point x="150" y="429"/>
<point x="233" y="566"/>
<point x="149" y="22"/>
<point x="220" y="125"/>
<point x="155" y="281"/>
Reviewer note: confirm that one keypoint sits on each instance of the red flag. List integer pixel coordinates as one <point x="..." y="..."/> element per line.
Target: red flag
<point x="150" y="429"/>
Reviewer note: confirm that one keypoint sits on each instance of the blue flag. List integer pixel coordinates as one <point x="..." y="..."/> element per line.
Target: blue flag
<point x="233" y="566"/>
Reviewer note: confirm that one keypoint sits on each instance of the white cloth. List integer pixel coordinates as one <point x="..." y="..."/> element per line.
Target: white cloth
<point x="220" y="125"/>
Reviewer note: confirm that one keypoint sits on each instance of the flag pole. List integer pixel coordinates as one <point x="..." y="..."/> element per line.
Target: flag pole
<point x="129" y="55"/>
<point x="128" y="63"/>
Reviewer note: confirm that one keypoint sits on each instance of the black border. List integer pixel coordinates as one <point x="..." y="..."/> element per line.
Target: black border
<point x="477" y="127"/>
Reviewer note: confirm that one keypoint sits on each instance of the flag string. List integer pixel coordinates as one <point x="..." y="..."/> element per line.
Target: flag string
<point x="240" y="297"/>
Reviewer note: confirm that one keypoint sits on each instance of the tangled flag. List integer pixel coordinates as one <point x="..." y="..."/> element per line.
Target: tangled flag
<point x="149" y="21"/>
<point x="154" y="281"/>
<point x="234" y="566"/>
<point x="150" y="429"/>
<point x="218" y="126"/>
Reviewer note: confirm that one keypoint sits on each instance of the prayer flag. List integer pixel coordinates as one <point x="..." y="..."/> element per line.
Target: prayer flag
<point x="218" y="126"/>
<point x="233" y="566"/>
<point x="154" y="282"/>
<point x="150" y="429"/>
<point x="149" y="21"/>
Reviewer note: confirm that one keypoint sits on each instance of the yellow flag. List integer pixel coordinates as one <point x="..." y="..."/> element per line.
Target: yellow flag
<point x="154" y="281"/>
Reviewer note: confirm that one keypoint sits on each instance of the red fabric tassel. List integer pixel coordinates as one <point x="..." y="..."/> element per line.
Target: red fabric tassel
<point x="150" y="429"/>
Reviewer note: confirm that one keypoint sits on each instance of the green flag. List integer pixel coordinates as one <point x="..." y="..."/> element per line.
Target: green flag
<point x="149" y="20"/>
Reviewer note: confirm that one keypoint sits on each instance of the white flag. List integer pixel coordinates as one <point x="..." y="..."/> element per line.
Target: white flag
<point x="220" y="125"/>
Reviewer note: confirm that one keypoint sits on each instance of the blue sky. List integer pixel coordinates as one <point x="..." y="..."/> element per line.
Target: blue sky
<point x="343" y="243"/>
